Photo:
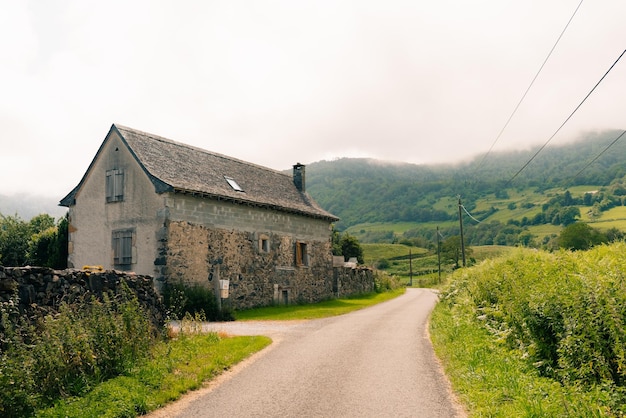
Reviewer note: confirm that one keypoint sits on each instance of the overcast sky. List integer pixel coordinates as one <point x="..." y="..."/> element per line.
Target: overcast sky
<point x="285" y="81"/>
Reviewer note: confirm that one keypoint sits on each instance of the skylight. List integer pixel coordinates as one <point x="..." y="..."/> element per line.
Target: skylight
<point x="233" y="184"/>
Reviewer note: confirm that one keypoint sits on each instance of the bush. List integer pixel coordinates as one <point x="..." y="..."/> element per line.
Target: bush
<point x="566" y="312"/>
<point x="181" y="300"/>
<point x="67" y="354"/>
<point x="384" y="282"/>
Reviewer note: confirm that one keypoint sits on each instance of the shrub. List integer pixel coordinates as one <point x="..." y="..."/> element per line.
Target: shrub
<point x="384" y="282"/>
<point x="566" y="312"/>
<point x="66" y="354"/>
<point x="181" y="300"/>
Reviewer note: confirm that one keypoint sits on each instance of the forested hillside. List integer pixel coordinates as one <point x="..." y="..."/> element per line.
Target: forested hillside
<point x="366" y="191"/>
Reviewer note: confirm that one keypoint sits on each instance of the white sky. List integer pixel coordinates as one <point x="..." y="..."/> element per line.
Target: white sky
<point x="283" y="81"/>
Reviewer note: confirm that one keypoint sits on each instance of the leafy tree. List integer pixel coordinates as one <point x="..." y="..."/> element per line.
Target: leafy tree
<point x="48" y="248"/>
<point x="451" y="250"/>
<point x="526" y="239"/>
<point x="346" y="245"/>
<point x="41" y="223"/>
<point x="580" y="236"/>
<point x="40" y="241"/>
<point x="569" y="215"/>
<point x="14" y="236"/>
<point x="614" y="234"/>
<point x="350" y="247"/>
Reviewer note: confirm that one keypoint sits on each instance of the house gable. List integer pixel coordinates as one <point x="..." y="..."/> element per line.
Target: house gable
<point x="113" y="135"/>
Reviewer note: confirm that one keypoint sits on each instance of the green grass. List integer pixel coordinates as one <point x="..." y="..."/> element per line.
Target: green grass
<point x="612" y="218"/>
<point x="545" y="230"/>
<point x="492" y="381"/>
<point x="374" y="252"/>
<point x="535" y="334"/>
<point x="396" y="227"/>
<point x="319" y="310"/>
<point x="183" y="364"/>
<point x="177" y="367"/>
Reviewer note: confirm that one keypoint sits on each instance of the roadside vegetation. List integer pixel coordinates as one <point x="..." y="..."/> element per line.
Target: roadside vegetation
<point x="103" y="358"/>
<point x="534" y="333"/>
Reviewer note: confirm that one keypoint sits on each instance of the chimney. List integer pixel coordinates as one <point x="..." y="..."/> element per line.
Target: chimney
<point x="298" y="177"/>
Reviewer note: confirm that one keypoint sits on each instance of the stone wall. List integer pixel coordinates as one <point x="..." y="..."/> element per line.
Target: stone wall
<point x="257" y="275"/>
<point x="353" y="281"/>
<point x="42" y="290"/>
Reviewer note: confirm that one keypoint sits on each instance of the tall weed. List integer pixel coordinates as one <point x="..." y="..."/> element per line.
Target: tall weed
<point x="565" y="312"/>
<point x="68" y="353"/>
<point x="181" y="300"/>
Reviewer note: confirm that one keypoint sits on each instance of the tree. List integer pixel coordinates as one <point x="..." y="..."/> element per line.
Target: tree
<point x="41" y="223"/>
<point x="350" y="247"/>
<point x="569" y="215"/>
<point x="48" y="248"/>
<point x="580" y="236"/>
<point x="614" y="234"/>
<point x="346" y="245"/>
<point x="451" y="250"/>
<point x="14" y="236"/>
<point x="40" y="241"/>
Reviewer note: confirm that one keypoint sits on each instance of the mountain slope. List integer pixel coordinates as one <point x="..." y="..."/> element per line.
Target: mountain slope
<point x="365" y="190"/>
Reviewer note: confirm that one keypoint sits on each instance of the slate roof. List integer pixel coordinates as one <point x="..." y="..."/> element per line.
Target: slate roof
<point x="177" y="167"/>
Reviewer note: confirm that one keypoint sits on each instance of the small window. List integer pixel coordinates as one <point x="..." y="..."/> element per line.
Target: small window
<point x="302" y="258"/>
<point x="123" y="247"/>
<point x="233" y="184"/>
<point x="264" y="244"/>
<point x="114" y="185"/>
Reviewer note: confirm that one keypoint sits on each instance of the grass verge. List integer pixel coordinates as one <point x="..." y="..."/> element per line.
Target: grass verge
<point x="176" y="367"/>
<point x="319" y="310"/>
<point x="536" y="334"/>
<point x="493" y="381"/>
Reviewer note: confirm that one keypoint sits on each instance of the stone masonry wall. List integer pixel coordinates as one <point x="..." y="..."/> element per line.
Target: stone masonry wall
<point x="201" y="255"/>
<point x="353" y="281"/>
<point x="42" y="290"/>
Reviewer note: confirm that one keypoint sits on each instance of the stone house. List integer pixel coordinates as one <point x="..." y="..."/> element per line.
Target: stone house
<point x="183" y="214"/>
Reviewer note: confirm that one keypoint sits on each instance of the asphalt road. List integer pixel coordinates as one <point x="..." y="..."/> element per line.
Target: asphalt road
<point x="376" y="362"/>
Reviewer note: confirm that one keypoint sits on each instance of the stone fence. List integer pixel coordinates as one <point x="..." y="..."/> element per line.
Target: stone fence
<point x="350" y="281"/>
<point x="42" y="290"/>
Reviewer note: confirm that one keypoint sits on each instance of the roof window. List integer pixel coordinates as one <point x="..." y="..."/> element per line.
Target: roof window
<point x="233" y="184"/>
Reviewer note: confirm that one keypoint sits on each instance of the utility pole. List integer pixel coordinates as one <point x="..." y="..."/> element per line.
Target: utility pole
<point x="410" y="269"/>
<point x="438" y="254"/>
<point x="461" y="226"/>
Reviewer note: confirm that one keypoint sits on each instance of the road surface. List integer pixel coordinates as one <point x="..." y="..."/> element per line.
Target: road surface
<point x="376" y="362"/>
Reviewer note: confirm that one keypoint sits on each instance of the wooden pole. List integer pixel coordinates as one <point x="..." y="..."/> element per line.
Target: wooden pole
<point x="461" y="226"/>
<point x="410" y="269"/>
<point x="439" y="254"/>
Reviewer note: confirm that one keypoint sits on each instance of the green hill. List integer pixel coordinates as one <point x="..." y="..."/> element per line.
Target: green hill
<point x="380" y="201"/>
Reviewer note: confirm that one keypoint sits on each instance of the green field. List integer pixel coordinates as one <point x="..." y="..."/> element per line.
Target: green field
<point x="524" y="203"/>
<point x="423" y="263"/>
<point x="612" y="218"/>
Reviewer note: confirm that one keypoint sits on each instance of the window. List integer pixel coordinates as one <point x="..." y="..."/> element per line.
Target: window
<point x="114" y="185"/>
<point x="233" y="184"/>
<point x="302" y="258"/>
<point x="123" y="247"/>
<point x="264" y="244"/>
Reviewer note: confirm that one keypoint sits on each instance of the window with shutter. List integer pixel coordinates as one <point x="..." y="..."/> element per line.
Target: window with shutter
<point x="302" y="258"/>
<point x="123" y="247"/>
<point x="114" y="185"/>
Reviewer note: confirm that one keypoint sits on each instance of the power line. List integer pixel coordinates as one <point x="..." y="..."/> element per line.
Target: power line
<point x="598" y="156"/>
<point x="470" y="215"/>
<point x="566" y="120"/>
<point x="529" y="86"/>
